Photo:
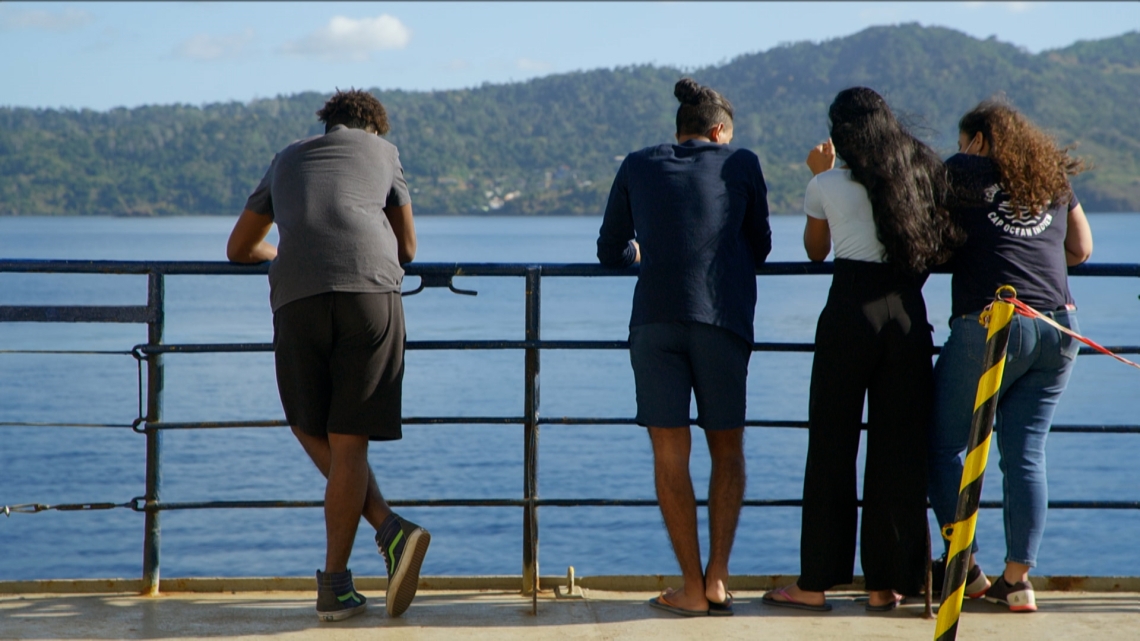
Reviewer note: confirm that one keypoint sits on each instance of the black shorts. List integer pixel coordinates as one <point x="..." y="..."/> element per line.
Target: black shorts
<point x="672" y="361"/>
<point x="340" y="363"/>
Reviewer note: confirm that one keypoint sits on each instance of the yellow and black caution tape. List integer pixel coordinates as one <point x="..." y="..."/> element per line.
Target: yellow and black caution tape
<point x="996" y="318"/>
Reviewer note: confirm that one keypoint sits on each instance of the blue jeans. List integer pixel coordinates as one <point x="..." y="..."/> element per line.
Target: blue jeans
<point x="1039" y="360"/>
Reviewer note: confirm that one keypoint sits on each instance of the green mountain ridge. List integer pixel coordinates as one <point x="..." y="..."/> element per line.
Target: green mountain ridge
<point x="551" y="145"/>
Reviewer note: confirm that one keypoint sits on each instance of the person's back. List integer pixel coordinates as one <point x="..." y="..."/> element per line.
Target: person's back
<point x="328" y="195"/>
<point x="699" y="251"/>
<point x="1022" y="248"/>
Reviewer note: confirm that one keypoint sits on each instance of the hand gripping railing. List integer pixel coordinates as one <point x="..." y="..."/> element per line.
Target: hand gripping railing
<point x="151" y="354"/>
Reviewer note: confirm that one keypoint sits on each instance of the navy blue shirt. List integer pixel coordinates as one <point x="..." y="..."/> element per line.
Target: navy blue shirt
<point x="1004" y="247"/>
<point x="699" y="211"/>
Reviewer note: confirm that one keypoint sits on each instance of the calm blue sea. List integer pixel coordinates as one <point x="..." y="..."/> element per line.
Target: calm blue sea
<point x="62" y="465"/>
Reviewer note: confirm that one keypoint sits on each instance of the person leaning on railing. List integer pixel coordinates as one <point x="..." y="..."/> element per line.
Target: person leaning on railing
<point x="344" y="216"/>
<point x="1024" y="227"/>
<point x="699" y="212"/>
<point x="882" y="211"/>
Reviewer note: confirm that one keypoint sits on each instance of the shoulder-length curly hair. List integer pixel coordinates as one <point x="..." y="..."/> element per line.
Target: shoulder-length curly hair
<point x="907" y="183"/>
<point x="1033" y="170"/>
<point x="355" y="109"/>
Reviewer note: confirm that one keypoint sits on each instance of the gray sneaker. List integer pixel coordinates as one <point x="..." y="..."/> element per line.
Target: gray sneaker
<point x="1018" y="596"/>
<point x="337" y="599"/>
<point x="403" y="545"/>
<point x="976" y="581"/>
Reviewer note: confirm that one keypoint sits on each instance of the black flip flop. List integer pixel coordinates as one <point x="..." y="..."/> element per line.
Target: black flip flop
<point x="658" y="603"/>
<point x="791" y="603"/>
<point x="722" y="609"/>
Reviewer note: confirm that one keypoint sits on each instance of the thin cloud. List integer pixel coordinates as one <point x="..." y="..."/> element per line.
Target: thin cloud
<point x="58" y="21"/>
<point x="526" y="64"/>
<point x="352" y="38"/>
<point x="204" y="46"/>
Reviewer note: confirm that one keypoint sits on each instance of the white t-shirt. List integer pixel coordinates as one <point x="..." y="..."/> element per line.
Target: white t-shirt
<point x="835" y="197"/>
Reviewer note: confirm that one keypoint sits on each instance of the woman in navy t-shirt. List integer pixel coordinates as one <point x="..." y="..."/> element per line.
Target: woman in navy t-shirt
<point x="1024" y="227"/>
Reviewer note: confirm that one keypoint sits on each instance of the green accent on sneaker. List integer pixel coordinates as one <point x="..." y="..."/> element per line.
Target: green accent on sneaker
<point x="344" y="597"/>
<point x="392" y="551"/>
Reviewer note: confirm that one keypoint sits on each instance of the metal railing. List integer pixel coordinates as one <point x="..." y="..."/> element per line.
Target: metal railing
<point x="150" y="356"/>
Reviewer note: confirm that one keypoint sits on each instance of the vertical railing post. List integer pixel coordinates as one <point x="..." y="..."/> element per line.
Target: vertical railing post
<point x="152" y="537"/>
<point x="530" y="436"/>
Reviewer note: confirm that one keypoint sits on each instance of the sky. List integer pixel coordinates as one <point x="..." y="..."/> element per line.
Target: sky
<point x="102" y="55"/>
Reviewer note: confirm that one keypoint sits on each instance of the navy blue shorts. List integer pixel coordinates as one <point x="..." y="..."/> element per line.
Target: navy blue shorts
<point x="673" y="361"/>
<point x="340" y="363"/>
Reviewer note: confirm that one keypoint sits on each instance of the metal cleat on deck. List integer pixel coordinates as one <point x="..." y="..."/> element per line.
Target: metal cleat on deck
<point x="568" y="591"/>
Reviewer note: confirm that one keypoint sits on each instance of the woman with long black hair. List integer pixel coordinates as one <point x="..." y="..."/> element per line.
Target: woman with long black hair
<point x="882" y="212"/>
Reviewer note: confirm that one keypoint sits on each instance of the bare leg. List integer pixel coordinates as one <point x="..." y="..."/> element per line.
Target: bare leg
<point x="801" y="596"/>
<point x="671" y="447"/>
<point x="1015" y="572"/>
<point x="882" y="597"/>
<point x="344" y="497"/>
<point x="317" y="447"/>
<point x="726" y="493"/>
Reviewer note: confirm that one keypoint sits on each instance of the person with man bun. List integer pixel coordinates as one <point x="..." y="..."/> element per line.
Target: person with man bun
<point x="694" y="215"/>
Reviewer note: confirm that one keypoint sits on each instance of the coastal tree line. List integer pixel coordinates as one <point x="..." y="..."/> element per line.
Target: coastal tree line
<point x="551" y="145"/>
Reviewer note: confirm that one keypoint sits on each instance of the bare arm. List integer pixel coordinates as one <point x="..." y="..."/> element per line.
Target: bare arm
<point x="1078" y="238"/>
<point x="400" y="217"/>
<point x="817" y="239"/>
<point x="247" y="240"/>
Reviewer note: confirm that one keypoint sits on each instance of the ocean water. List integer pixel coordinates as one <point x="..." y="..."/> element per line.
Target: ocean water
<point x="63" y="465"/>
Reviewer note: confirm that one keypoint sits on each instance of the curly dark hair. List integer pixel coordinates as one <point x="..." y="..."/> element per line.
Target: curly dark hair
<point x="907" y="182"/>
<point x="701" y="108"/>
<point x="1032" y="169"/>
<point x="355" y="109"/>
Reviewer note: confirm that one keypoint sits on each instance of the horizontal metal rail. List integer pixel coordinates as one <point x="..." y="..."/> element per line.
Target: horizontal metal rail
<point x="138" y="504"/>
<point x="215" y="268"/>
<point x="564" y="420"/>
<point x="586" y="502"/>
<point x="76" y="314"/>
<point x="224" y="348"/>
<point x="436" y="275"/>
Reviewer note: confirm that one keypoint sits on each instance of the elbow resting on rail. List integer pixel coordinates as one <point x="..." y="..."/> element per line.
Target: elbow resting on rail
<point x="404" y="227"/>
<point x="1078" y="237"/>
<point x="247" y="240"/>
<point x="817" y="239"/>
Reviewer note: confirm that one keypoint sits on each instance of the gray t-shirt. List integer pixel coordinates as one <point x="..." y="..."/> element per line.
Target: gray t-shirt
<point x="327" y="195"/>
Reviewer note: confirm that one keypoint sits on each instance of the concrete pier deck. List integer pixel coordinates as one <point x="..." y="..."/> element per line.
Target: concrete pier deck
<point x="506" y="615"/>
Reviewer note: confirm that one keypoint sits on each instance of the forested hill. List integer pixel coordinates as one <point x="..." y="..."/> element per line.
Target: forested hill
<point x="552" y="145"/>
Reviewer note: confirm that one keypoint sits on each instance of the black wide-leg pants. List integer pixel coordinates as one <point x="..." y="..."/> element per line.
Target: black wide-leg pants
<point x="872" y="339"/>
